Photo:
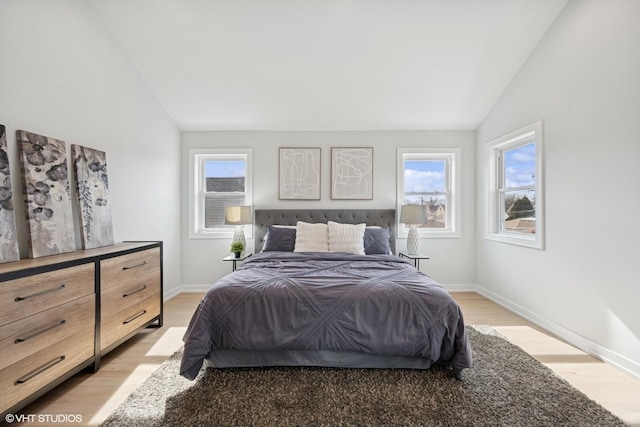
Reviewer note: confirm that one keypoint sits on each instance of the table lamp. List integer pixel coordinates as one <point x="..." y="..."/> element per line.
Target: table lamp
<point x="238" y="216"/>
<point x="412" y="215"/>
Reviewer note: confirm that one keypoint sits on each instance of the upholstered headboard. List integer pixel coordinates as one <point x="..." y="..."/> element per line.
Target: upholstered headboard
<point x="378" y="217"/>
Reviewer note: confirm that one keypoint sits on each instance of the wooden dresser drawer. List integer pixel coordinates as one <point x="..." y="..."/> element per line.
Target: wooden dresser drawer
<point x="34" y="333"/>
<point x="128" y="320"/>
<point x="127" y="280"/>
<point x="29" y="295"/>
<point x="23" y="378"/>
<point x="130" y="295"/>
<point x="117" y="274"/>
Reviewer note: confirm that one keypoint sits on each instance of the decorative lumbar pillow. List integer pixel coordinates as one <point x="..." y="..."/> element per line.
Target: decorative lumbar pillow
<point x="311" y="237"/>
<point x="376" y="241"/>
<point x="279" y="239"/>
<point x="347" y="238"/>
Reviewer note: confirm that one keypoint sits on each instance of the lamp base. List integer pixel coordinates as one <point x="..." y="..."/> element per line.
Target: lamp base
<point x="413" y="241"/>
<point x="238" y="236"/>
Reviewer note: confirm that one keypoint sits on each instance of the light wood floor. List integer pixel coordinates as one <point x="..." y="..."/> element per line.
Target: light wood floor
<point x="95" y="396"/>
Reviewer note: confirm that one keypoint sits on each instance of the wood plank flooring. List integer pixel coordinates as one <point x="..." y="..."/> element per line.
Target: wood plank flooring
<point x="94" y="396"/>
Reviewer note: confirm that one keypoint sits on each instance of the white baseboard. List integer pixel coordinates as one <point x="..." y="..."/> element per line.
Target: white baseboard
<point x="192" y="289"/>
<point x="186" y="289"/>
<point x="624" y="364"/>
<point x="464" y="287"/>
<point x="167" y="295"/>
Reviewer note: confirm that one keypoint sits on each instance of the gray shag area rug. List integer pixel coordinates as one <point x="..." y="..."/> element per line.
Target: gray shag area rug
<point x="505" y="387"/>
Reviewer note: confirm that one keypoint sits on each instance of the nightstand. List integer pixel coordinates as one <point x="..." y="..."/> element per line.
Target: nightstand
<point x="416" y="258"/>
<point x="235" y="260"/>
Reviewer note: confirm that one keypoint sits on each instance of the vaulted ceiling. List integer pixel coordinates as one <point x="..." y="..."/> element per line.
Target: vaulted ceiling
<point x="328" y="64"/>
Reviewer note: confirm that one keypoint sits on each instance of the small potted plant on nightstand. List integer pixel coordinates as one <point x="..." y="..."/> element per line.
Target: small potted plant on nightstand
<point x="236" y="248"/>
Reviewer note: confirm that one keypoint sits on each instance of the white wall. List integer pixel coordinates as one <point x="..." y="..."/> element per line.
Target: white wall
<point x="453" y="259"/>
<point x="63" y="76"/>
<point x="583" y="82"/>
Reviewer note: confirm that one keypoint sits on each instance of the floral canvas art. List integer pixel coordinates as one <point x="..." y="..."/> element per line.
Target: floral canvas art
<point x="90" y="168"/>
<point x="8" y="239"/>
<point x="46" y="194"/>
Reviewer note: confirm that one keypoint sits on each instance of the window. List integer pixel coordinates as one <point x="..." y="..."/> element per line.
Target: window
<point x="515" y="187"/>
<point x="218" y="178"/>
<point x="430" y="178"/>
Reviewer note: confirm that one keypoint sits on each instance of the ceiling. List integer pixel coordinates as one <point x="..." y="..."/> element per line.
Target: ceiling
<point x="328" y="64"/>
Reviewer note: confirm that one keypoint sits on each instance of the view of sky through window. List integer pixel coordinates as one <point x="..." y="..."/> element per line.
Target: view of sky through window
<point x="224" y="168"/>
<point x="520" y="166"/>
<point x="424" y="176"/>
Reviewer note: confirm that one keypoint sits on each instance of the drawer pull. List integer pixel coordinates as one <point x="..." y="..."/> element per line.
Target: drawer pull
<point x="37" y="294"/>
<point x="135" y="266"/>
<point x="40" y="370"/>
<point x="35" y="334"/>
<point x="131" y="319"/>
<point x="135" y="292"/>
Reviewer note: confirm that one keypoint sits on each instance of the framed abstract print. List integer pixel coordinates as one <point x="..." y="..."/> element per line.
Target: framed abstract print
<point x="299" y="174"/>
<point x="352" y="173"/>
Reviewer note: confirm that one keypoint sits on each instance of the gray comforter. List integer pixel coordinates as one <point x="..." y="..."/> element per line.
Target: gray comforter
<point x="374" y="304"/>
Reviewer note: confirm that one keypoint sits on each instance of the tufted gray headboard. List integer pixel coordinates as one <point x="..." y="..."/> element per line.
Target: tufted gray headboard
<point x="379" y="217"/>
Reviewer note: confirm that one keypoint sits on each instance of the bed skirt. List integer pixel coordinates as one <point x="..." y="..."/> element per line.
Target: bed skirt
<point x="324" y="358"/>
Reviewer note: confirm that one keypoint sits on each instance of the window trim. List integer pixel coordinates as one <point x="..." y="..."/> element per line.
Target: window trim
<point x="197" y="157"/>
<point x="493" y="148"/>
<point x="453" y="180"/>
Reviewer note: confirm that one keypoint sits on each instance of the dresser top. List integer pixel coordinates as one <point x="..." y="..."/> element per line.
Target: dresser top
<point x="74" y="258"/>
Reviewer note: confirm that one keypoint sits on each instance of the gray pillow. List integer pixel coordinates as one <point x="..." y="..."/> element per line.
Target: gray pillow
<point x="279" y="239"/>
<point x="376" y="241"/>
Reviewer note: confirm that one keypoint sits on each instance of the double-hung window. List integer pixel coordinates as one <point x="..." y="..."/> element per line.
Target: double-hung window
<point x="515" y="187"/>
<point x="218" y="178"/>
<point x="430" y="177"/>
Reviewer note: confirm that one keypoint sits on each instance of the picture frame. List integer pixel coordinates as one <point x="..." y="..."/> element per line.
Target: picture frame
<point x="351" y="173"/>
<point x="299" y="173"/>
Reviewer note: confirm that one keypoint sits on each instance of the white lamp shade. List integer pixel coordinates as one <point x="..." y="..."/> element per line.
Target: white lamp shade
<point x="237" y="215"/>
<point x="413" y="214"/>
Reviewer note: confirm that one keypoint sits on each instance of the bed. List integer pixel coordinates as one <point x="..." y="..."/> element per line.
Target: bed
<point x="348" y="302"/>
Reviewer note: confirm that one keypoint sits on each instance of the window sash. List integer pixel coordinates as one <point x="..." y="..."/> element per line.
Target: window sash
<point x="526" y="139"/>
<point x="202" y="164"/>
<point x="446" y="194"/>
<point x="503" y="189"/>
<point x="523" y="224"/>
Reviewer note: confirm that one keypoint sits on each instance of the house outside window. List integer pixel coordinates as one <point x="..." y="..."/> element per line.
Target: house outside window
<point x="218" y="178"/>
<point x="515" y="187"/>
<point x="430" y="177"/>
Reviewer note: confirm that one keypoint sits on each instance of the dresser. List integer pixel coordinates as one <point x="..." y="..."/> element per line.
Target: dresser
<point x="60" y="314"/>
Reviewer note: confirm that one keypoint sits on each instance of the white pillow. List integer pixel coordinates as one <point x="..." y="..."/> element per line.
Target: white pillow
<point x="347" y="238"/>
<point x="311" y="237"/>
